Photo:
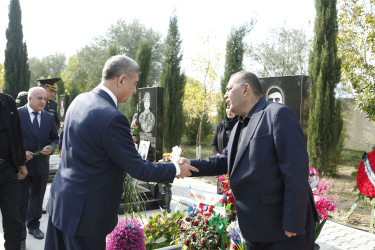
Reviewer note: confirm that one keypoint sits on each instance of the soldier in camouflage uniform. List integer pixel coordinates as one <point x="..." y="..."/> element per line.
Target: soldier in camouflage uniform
<point x="51" y="106"/>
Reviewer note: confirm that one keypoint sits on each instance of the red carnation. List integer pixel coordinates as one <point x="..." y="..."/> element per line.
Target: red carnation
<point x="231" y="199"/>
<point x="193" y="235"/>
<point x="203" y="242"/>
<point x="187" y="242"/>
<point x="136" y="123"/>
<point x="187" y="219"/>
<point x="363" y="183"/>
<point x="195" y="223"/>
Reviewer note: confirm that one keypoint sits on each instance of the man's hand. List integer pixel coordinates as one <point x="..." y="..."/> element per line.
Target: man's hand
<point x="289" y="234"/>
<point x="22" y="172"/>
<point x="47" y="150"/>
<point x="29" y="155"/>
<point x="185" y="168"/>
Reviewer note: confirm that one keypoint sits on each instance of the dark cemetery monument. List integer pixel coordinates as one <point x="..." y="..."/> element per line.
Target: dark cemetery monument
<point x="150" y="129"/>
<point x="293" y="91"/>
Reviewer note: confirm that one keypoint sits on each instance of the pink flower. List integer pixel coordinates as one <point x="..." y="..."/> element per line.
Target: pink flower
<point x="312" y="171"/>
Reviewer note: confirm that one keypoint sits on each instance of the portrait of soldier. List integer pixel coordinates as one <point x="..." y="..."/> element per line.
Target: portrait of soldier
<point x="146" y="118"/>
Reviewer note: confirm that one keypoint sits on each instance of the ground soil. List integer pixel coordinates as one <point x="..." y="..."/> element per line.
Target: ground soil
<point x="343" y="186"/>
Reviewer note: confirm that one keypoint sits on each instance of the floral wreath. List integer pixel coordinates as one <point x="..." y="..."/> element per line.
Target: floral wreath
<point x="366" y="177"/>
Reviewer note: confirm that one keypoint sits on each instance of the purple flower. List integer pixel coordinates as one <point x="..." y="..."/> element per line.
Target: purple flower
<point x="148" y="225"/>
<point x="128" y="234"/>
<point x="159" y="223"/>
<point x="152" y="231"/>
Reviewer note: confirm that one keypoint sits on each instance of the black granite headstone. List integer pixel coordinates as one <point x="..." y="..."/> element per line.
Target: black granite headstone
<point x="150" y="119"/>
<point x="293" y="91"/>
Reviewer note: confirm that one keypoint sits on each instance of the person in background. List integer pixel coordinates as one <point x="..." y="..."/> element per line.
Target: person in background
<point x="39" y="135"/>
<point x="222" y="132"/>
<point x="12" y="161"/>
<point x="50" y="85"/>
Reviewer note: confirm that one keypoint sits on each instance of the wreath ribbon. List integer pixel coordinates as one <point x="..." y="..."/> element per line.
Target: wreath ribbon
<point x="215" y="220"/>
<point x="368" y="170"/>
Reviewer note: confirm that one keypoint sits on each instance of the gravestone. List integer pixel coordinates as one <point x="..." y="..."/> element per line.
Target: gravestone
<point x="150" y="128"/>
<point x="293" y="91"/>
<point x="63" y="106"/>
<point x="150" y="119"/>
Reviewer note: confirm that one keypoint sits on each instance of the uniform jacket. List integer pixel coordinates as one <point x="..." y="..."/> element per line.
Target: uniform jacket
<point x="51" y="107"/>
<point x="269" y="176"/>
<point x="97" y="150"/>
<point x="17" y="150"/>
<point x="38" y="165"/>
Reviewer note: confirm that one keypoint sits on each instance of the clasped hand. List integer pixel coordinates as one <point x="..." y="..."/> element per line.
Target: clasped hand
<point x="185" y="167"/>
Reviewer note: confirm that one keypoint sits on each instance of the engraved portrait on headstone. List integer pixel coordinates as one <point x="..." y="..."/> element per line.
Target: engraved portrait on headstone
<point x="147" y="118"/>
<point x="275" y="94"/>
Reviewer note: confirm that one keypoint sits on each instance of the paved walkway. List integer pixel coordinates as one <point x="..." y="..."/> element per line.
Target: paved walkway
<point x="333" y="236"/>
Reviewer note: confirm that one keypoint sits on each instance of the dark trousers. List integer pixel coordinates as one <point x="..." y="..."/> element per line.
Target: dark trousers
<point x="58" y="240"/>
<point x="12" y="225"/>
<point x="299" y="242"/>
<point x="31" y="194"/>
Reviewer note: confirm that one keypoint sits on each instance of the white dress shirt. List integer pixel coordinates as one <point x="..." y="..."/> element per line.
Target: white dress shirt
<point x="32" y="115"/>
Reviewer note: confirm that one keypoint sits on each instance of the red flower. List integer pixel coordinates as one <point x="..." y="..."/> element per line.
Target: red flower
<point x="231" y="199"/>
<point x="187" y="219"/>
<point x="193" y="235"/>
<point x="136" y="123"/>
<point x="187" y="242"/>
<point x="195" y="223"/>
<point x="203" y="242"/>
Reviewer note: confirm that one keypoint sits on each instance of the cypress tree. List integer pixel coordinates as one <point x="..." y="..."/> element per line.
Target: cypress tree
<point x="143" y="58"/>
<point x="16" y="67"/>
<point x="173" y="81"/>
<point x="234" y="54"/>
<point x="325" y="122"/>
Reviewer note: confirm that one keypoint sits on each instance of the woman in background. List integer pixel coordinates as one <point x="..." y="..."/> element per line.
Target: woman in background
<point x="222" y="132"/>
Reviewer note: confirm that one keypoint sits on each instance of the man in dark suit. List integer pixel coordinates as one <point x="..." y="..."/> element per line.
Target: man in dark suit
<point x="97" y="150"/>
<point x="39" y="134"/>
<point x="12" y="160"/>
<point x="267" y="163"/>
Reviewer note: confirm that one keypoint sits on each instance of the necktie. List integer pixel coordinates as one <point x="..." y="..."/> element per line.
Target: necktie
<point x="35" y="123"/>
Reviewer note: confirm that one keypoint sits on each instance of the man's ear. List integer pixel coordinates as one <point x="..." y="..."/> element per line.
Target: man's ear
<point x="247" y="89"/>
<point x="121" y="80"/>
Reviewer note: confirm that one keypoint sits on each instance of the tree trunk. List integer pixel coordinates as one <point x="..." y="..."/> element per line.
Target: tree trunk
<point x="198" y="147"/>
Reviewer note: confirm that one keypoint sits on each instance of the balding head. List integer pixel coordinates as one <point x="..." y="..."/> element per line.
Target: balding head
<point x="37" y="97"/>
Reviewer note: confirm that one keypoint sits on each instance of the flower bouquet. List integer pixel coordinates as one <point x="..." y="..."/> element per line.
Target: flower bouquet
<point x="202" y="232"/>
<point x="236" y="240"/>
<point x="128" y="234"/>
<point x="134" y="129"/>
<point x="229" y="202"/>
<point x="323" y="202"/>
<point x="162" y="225"/>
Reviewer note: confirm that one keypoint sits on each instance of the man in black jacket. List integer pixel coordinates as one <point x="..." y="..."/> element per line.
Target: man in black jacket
<point x="12" y="160"/>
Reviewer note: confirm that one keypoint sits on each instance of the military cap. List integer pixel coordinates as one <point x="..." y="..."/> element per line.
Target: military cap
<point x="49" y="82"/>
<point x="21" y="99"/>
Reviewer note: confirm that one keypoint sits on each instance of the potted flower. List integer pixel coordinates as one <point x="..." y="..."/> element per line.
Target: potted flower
<point x="230" y="207"/>
<point x="323" y="202"/>
<point x="128" y="234"/>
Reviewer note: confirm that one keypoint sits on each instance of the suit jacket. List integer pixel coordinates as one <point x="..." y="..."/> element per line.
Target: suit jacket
<point x="269" y="176"/>
<point x="38" y="165"/>
<point x="14" y="130"/>
<point x="97" y="150"/>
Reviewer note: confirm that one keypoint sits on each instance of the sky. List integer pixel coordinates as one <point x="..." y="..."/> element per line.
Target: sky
<point x="55" y="26"/>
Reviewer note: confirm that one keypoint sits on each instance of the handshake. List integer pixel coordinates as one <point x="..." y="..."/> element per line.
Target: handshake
<point x="185" y="168"/>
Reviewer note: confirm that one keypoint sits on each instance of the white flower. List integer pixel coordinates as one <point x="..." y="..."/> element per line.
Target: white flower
<point x="176" y="153"/>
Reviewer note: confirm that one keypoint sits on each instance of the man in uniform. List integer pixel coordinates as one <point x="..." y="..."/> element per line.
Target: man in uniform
<point x="21" y="99"/>
<point x="51" y="106"/>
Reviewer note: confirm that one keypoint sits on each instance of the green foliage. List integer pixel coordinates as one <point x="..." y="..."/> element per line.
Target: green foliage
<point x="173" y="81"/>
<point x="191" y="128"/>
<point x="325" y="120"/>
<point x="285" y="52"/>
<point x="235" y="49"/>
<point x="17" y="74"/>
<point x="356" y="42"/>
<point x="143" y="59"/>
<point x="132" y="198"/>
<point x="49" y="66"/>
<point x="1" y="77"/>
<point x="189" y="151"/>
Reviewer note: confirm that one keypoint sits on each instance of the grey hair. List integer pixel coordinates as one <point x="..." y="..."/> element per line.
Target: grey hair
<point x="32" y="90"/>
<point x="120" y="65"/>
<point x="250" y="78"/>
